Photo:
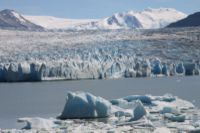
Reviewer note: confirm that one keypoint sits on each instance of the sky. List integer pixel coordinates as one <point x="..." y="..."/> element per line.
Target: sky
<point x="93" y="9"/>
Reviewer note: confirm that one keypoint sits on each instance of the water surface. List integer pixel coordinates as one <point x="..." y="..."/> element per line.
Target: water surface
<point x="47" y="99"/>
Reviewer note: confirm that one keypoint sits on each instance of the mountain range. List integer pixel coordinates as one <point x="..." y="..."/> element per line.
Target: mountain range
<point x="147" y="19"/>
<point x="192" y="20"/>
<point x="9" y="19"/>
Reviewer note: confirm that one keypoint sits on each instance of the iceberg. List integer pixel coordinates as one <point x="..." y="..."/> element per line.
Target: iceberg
<point x="85" y="105"/>
<point x="138" y="111"/>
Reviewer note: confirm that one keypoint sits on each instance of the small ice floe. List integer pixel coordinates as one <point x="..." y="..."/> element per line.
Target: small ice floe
<point x="144" y="99"/>
<point x="171" y="102"/>
<point x="171" y="110"/>
<point x="165" y="98"/>
<point x="125" y="113"/>
<point x="85" y="105"/>
<point x="197" y="124"/>
<point x="175" y="117"/>
<point x="129" y="101"/>
<point x="162" y="130"/>
<point x="38" y="123"/>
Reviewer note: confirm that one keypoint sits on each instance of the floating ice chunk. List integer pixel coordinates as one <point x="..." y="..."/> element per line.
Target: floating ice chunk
<point x="166" y="98"/>
<point x="171" y="110"/>
<point x="144" y="99"/>
<point x="85" y="105"/>
<point x="117" y="101"/>
<point x="121" y="113"/>
<point x="183" y="127"/>
<point x="196" y="124"/>
<point x="123" y="103"/>
<point x="162" y="130"/>
<point x="142" y="123"/>
<point x="175" y="118"/>
<point x="196" y="130"/>
<point x="138" y="111"/>
<point x="38" y="123"/>
<point x="173" y="102"/>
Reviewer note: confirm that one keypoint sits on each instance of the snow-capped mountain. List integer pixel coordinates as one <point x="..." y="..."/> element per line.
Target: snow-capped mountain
<point x="147" y="19"/>
<point x="13" y="20"/>
<point x="190" y="21"/>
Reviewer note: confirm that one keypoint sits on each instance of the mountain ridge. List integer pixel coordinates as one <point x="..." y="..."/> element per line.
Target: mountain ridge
<point x="12" y="20"/>
<point x="148" y="19"/>
<point x="192" y="20"/>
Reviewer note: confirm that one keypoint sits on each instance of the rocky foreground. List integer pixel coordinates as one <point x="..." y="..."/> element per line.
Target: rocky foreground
<point x="84" y="112"/>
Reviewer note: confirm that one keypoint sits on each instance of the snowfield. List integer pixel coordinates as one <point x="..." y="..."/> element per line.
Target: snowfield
<point x="36" y="56"/>
<point x="49" y="22"/>
<point x="147" y="19"/>
<point x="135" y="113"/>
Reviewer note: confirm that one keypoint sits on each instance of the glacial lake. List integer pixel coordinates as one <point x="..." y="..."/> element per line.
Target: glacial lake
<point x="47" y="99"/>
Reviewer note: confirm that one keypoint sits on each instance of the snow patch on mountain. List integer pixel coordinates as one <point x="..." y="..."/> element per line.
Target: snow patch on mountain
<point x="50" y="22"/>
<point x="18" y="16"/>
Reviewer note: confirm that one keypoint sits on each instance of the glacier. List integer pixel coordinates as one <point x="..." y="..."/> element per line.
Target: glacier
<point x="160" y="116"/>
<point x="72" y="55"/>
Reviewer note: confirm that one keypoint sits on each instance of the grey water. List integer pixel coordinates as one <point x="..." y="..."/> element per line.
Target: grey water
<point x="47" y="99"/>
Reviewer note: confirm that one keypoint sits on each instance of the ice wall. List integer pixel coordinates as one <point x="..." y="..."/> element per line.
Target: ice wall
<point x="96" y="67"/>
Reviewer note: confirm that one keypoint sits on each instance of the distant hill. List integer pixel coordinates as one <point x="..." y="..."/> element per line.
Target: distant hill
<point x="191" y="21"/>
<point x="9" y="19"/>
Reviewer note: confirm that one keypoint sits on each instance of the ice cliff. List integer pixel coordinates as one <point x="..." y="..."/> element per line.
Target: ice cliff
<point x="94" y="68"/>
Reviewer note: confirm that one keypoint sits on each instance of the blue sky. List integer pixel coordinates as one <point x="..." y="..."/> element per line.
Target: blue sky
<point x="93" y="8"/>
